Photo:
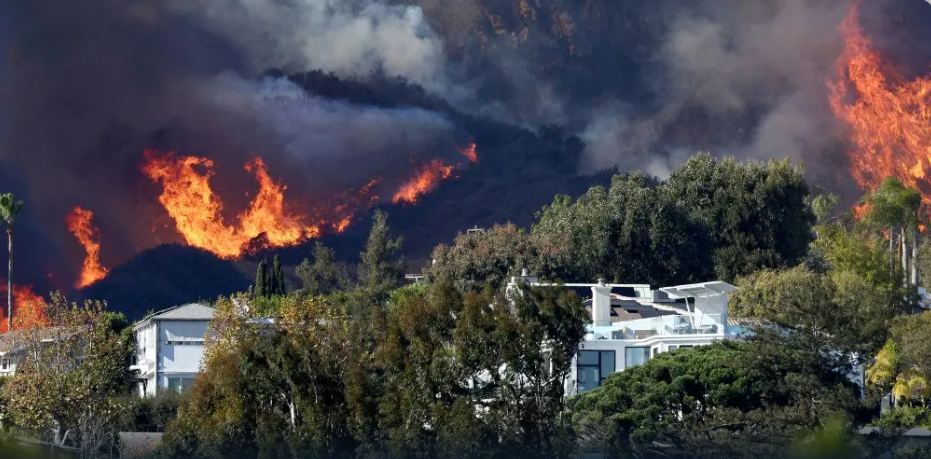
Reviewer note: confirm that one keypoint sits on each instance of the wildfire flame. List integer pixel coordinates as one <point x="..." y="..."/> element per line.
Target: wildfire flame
<point x="28" y="309"/>
<point x="889" y="117"/>
<point x="197" y="211"/>
<point x="469" y="152"/>
<point x="79" y="224"/>
<point x="425" y="180"/>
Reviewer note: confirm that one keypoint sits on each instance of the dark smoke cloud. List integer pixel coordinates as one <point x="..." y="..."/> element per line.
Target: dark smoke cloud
<point x="756" y="67"/>
<point x="90" y="84"/>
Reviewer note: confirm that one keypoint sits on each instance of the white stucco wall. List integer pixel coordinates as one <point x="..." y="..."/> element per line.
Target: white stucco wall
<point x="181" y="346"/>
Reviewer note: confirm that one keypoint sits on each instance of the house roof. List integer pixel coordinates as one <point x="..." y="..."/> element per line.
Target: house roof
<point x="17" y="339"/>
<point x="192" y="311"/>
<point x="699" y="290"/>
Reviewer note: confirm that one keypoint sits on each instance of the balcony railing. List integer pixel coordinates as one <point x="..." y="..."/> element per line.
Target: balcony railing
<point x="674" y="325"/>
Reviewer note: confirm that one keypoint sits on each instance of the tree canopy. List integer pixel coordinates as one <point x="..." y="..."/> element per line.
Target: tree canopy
<point x="709" y="219"/>
<point x="732" y="399"/>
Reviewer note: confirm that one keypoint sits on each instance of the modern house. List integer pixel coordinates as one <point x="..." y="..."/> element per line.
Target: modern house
<point x="170" y="348"/>
<point x="636" y="323"/>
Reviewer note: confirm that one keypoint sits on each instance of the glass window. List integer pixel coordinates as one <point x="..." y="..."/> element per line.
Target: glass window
<point x="5" y="364"/>
<point x="588" y="358"/>
<point x="180" y="384"/>
<point x="593" y="367"/>
<point x="636" y="356"/>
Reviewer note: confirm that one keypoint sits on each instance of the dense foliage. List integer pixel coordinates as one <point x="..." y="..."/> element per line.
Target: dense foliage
<point x="723" y="400"/>
<point x="68" y="384"/>
<point x="406" y="384"/>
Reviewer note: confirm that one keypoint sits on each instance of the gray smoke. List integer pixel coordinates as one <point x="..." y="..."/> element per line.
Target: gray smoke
<point x="759" y="65"/>
<point x="354" y="38"/>
<point x="91" y="84"/>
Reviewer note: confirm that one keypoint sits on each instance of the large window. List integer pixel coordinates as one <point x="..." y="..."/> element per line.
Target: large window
<point x="180" y="384"/>
<point x="636" y="356"/>
<point x="593" y="367"/>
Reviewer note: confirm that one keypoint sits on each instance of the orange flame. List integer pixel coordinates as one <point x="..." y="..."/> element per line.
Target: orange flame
<point x="79" y="224"/>
<point x="28" y="309"/>
<point x="859" y="210"/>
<point x="424" y="181"/>
<point x="189" y="199"/>
<point x="469" y="152"/>
<point x="889" y="117"/>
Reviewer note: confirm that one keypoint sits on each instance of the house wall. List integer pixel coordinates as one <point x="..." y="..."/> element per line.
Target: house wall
<point x="656" y="345"/>
<point x="180" y="350"/>
<point x="146" y="347"/>
<point x="181" y="346"/>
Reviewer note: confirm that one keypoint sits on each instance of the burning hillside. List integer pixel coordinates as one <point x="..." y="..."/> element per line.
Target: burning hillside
<point x="269" y="221"/>
<point x="889" y="117"/>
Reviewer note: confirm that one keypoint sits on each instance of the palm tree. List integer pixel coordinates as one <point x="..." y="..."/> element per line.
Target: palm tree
<point x="9" y="210"/>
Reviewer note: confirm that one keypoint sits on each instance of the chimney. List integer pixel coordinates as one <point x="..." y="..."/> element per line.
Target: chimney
<point x="601" y="304"/>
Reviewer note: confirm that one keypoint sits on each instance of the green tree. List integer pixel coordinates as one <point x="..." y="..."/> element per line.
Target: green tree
<point x="10" y="208"/>
<point x="381" y="267"/>
<point x="269" y="393"/>
<point x="903" y="366"/>
<point x="628" y="233"/>
<point x="710" y="218"/>
<point x="896" y="208"/>
<point x="277" y="277"/>
<point x="730" y="399"/>
<point x="445" y="356"/>
<point x="823" y="205"/>
<point x="324" y="275"/>
<point x="477" y="260"/>
<point x="262" y="284"/>
<point x="70" y="382"/>
<point x="756" y="215"/>
<point x="835" y="311"/>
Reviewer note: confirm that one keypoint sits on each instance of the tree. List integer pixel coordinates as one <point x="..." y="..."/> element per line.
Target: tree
<point x="628" y="233"/>
<point x="277" y="277"/>
<point x="262" y="284"/>
<point x="903" y="366"/>
<point x="70" y="382"/>
<point x="10" y="208"/>
<point x="836" y="311"/>
<point x="445" y="356"/>
<point x="477" y="260"/>
<point x="324" y="276"/>
<point x="896" y="208"/>
<point x="756" y="215"/>
<point x="729" y="399"/>
<point x="381" y="267"/>
<point x="710" y="218"/>
<point x="270" y="393"/>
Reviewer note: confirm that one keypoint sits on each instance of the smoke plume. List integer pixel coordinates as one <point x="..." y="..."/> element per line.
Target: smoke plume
<point x="90" y="84"/>
<point x="754" y="71"/>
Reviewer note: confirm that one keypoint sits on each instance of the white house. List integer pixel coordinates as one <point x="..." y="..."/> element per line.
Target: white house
<point x="14" y="344"/>
<point x="170" y="348"/>
<point x="632" y="326"/>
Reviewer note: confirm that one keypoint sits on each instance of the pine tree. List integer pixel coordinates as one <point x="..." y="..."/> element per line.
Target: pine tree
<point x="278" y="287"/>
<point x="261" y="280"/>
<point x="324" y="275"/>
<point x="381" y="265"/>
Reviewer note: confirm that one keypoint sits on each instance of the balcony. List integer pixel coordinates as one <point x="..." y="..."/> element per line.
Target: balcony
<point x="672" y="325"/>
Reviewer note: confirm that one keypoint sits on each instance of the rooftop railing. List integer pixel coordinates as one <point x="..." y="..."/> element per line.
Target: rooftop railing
<point x="672" y="325"/>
